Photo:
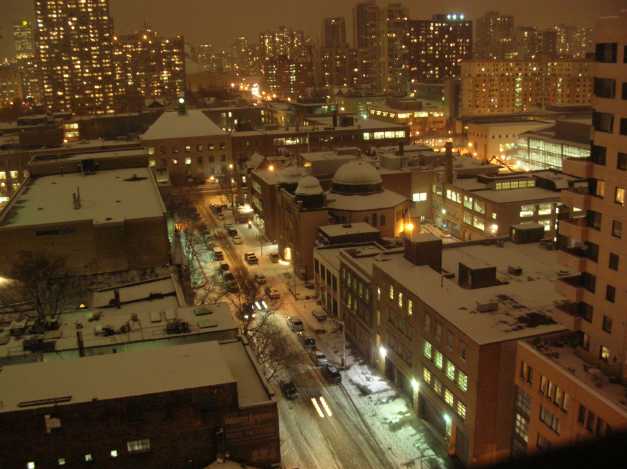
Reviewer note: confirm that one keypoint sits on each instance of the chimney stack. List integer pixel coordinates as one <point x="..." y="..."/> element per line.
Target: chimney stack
<point x="424" y="249"/>
<point x="449" y="163"/>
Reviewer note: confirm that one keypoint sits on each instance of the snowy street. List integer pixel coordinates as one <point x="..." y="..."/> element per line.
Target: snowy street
<point x="381" y="425"/>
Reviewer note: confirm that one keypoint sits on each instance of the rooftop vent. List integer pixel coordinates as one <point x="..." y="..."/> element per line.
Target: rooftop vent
<point x="487" y="307"/>
<point x="514" y="270"/>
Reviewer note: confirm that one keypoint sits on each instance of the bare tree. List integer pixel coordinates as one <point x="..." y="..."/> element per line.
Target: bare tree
<point x="44" y="281"/>
<point x="272" y="348"/>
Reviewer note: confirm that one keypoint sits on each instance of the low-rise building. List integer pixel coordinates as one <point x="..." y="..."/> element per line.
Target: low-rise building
<point x="442" y="322"/>
<point x="187" y="146"/>
<point x="548" y="147"/>
<point x="488" y="206"/>
<point x="63" y="210"/>
<point x="163" y="408"/>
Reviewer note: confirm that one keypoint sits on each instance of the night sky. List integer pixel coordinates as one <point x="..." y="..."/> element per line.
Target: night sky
<point x="219" y="21"/>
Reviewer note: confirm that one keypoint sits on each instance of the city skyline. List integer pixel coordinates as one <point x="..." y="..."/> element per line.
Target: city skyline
<point x="129" y="18"/>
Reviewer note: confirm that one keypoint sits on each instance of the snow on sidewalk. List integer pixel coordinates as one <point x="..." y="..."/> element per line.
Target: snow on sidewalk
<point x="407" y="440"/>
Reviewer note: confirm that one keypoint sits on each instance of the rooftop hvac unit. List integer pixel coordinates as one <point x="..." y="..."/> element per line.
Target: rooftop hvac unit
<point x="514" y="270"/>
<point x="487" y="307"/>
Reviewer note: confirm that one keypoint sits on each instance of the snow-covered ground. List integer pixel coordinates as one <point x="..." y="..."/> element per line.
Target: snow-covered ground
<point x="370" y="417"/>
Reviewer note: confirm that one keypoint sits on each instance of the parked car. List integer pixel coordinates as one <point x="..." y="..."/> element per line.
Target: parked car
<point x="319" y="358"/>
<point x="232" y="287"/>
<point x="251" y="258"/>
<point x="288" y="388"/>
<point x="260" y="279"/>
<point x="274" y="257"/>
<point x="218" y="255"/>
<point x="319" y="315"/>
<point x="237" y="240"/>
<point x="224" y="267"/>
<point x="232" y="232"/>
<point x="272" y="293"/>
<point x="296" y="325"/>
<point x="307" y="341"/>
<point x="228" y="276"/>
<point x="332" y="374"/>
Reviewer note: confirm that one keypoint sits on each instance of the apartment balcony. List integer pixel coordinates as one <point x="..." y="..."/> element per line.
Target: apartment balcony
<point x="574" y="228"/>
<point x="567" y="314"/>
<point x="580" y="167"/>
<point x="579" y="198"/>
<point x="577" y="259"/>
<point x="571" y="288"/>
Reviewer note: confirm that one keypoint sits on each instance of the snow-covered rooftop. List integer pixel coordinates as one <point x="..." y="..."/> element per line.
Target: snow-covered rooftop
<point x="564" y="357"/>
<point x="138" y="373"/>
<point x="530" y="194"/>
<point x="106" y="197"/>
<point x="172" y="125"/>
<point x="521" y="299"/>
<point x="350" y="229"/>
<point x="358" y="203"/>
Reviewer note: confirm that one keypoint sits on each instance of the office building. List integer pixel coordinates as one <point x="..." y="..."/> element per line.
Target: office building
<point x="10" y="85"/>
<point x="27" y="66"/>
<point x="73" y="43"/>
<point x="572" y="388"/>
<point x="438" y="46"/>
<point x="148" y="67"/>
<point x="396" y="50"/>
<point x="527" y="43"/>
<point x="494" y="36"/>
<point x="368" y="32"/>
<point x="573" y="42"/>
<point x="515" y="86"/>
<point x="334" y="33"/>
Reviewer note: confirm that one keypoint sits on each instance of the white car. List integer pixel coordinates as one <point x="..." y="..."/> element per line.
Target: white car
<point x="319" y="358"/>
<point x="237" y="240"/>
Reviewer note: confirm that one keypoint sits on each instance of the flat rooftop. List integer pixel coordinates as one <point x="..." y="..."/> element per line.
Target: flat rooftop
<point x="87" y="155"/>
<point x="138" y="373"/>
<point x="531" y="194"/>
<point x="325" y="126"/>
<point x="525" y="302"/>
<point x="111" y="196"/>
<point x="172" y="125"/>
<point x="565" y="358"/>
<point x="333" y="231"/>
<point x="358" y="203"/>
<point x="140" y="322"/>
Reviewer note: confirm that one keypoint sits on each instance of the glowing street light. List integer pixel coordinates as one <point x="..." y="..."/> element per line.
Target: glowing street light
<point x="409" y="227"/>
<point x="383" y="352"/>
<point x="415" y="385"/>
<point x="271" y="168"/>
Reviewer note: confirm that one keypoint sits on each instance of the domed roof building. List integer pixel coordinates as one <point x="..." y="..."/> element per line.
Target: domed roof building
<point x="309" y="192"/>
<point x="357" y="177"/>
<point x="290" y="176"/>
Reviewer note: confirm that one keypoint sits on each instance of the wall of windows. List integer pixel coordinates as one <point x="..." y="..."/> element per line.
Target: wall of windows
<point x="536" y="153"/>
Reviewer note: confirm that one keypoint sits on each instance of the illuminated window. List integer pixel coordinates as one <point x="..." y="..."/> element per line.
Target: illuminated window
<point x="437" y="386"/>
<point x="448" y="397"/>
<point x="468" y="202"/>
<point x="546" y="224"/>
<point x="151" y="150"/>
<point x="410" y="307"/>
<point x="400" y="299"/>
<point x="138" y="446"/>
<point x="479" y="206"/>
<point x="175" y="161"/>
<point x="199" y="147"/>
<point x="527" y="211"/>
<point x="419" y="196"/>
<point x="462" y="381"/>
<point x="604" y="353"/>
<point x="391" y="292"/>
<point x="426" y="375"/>
<point x="30" y="465"/>
<point x="619" y="196"/>
<point x="152" y="163"/>
<point x="114" y="453"/>
<point x="478" y="223"/>
<point x="544" y="209"/>
<point x="461" y="410"/>
<point x="450" y="370"/>
<point x="379" y="293"/>
<point x="61" y="462"/>
<point x="427" y="350"/>
<point x="366" y="135"/>
<point x="439" y="360"/>
<point x="88" y="457"/>
<point x="188" y="161"/>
